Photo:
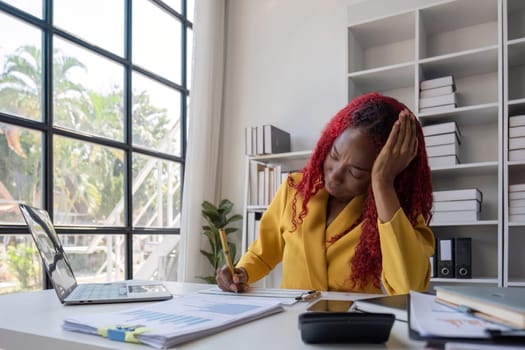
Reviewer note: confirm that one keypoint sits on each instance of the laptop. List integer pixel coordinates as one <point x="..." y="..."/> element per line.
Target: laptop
<point x="60" y="273"/>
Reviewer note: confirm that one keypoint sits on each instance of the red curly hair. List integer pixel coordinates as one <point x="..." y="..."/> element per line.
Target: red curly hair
<point x="375" y="114"/>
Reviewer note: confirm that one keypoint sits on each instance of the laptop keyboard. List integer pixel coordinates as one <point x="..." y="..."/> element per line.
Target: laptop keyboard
<point x="99" y="291"/>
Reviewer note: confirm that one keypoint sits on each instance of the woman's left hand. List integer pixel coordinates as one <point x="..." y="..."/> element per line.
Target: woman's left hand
<point x="398" y="151"/>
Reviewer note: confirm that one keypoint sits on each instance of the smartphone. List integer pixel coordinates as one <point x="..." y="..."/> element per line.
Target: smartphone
<point x="326" y="305"/>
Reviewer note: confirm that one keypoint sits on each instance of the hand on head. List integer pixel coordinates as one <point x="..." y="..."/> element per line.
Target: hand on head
<point x="236" y="283"/>
<point x="399" y="150"/>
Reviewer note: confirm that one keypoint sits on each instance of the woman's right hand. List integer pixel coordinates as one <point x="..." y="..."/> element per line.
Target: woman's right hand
<point x="236" y="283"/>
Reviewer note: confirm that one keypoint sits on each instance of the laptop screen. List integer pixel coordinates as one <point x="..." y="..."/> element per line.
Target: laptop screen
<point x="54" y="258"/>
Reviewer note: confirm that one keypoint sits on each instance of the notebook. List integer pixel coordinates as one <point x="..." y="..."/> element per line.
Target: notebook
<point x="60" y="273"/>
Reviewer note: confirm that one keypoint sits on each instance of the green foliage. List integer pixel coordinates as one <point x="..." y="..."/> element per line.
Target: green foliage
<point x="217" y="218"/>
<point x="22" y="260"/>
<point x="88" y="178"/>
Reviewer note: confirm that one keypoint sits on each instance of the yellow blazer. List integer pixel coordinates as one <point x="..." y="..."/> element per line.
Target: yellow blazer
<point x="307" y="262"/>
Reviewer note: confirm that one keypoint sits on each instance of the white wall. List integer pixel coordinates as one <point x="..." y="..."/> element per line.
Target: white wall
<point x="285" y="65"/>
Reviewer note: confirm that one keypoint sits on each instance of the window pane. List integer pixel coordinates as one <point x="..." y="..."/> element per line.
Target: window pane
<point x="162" y="56"/>
<point x="88" y="95"/>
<point x="189" y="57"/>
<point x="155" y="257"/>
<point x="33" y="7"/>
<point x="174" y="4"/>
<point x="20" y="264"/>
<point x="20" y="169"/>
<point x="95" y="258"/>
<point x="156" y="194"/>
<point x="188" y="106"/>
<point x="21" y="68"/>
<point x="190" y="8"/>
<point x="156" y="115"/>
<point x="99" y="22"/>
<point x="88" y="183"/>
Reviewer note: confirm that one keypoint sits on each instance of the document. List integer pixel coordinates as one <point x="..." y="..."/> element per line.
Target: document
<point x="281" y="295"/>
<point x="430" y="318"/>
<point x="165" y="324"/>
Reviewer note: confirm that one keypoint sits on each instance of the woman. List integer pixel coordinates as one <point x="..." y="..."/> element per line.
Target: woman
<point x="354" y="219"/>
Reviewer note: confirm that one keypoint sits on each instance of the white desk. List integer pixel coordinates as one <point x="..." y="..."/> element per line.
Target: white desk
<point x="34" y="321"/>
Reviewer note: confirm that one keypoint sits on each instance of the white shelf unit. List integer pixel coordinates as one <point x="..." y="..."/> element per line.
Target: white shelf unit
<point x="392" y="54"/>
<point x="514" y="104"/>
<point x="289" y="161"/>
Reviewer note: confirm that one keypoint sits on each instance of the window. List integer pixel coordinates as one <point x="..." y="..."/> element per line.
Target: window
<point x="93" y="110"/>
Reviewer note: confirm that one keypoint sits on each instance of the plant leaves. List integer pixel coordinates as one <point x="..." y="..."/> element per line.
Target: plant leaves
<point x="209" y="256"/>
<point x="217" y="218"/>
<point x="225" y="206"/>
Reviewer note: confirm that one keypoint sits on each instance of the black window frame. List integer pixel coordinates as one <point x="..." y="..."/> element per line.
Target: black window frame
<point x="49" y="131"/>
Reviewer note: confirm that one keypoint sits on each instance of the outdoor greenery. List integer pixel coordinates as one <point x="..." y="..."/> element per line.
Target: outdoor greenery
<point x="23" y="261"/>
<point x="88" y="179"/>
<point x="217" y="217"/>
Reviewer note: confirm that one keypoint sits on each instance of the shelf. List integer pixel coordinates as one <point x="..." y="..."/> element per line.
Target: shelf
<point x="517" y="163"/>
<point x="482" y="113"/>
<point x="465" y="39"/>
<point x="458" y="26"/>
<point x="516" y="107"/>
<point x="381" y="79"/>
<point x="516" y="52"/>
<point x="466" y="223"/>
<point x="461" y="64"/>
<point x="515" y="241"/>
<point x="516" y="224"/>
<point x="516" y="18"/>
<point x="512" y="283"/>
<point x="516" y="70"/>
<point x="481" y="168"/>
<point x="256" y="208"/>
<point x="381" y="42"/>
<point x="483" y="280"/>
<point x="516" y="172"/>
<point x="282" y="156"/>
<point x="516" y="41"/>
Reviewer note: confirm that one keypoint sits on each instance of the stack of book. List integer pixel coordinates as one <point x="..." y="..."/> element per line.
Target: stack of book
<point x="443" y="144"/>
<point x="437" y="95"/>
<point x="517" y="202"/>
<point x="264" y="181"/>
<point x="498" y="305"/>
<point x="457" y="205"/>
<point x="266" y="139"/>
<point x="517" y="137"/>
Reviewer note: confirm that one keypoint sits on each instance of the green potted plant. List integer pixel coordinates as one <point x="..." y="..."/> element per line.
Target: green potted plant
<point x="217" y="217"/>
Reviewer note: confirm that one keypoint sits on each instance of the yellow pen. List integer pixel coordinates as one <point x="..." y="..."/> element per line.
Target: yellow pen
<point x="226" y="249"/>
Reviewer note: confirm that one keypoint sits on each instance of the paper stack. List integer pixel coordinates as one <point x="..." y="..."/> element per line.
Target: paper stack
<point x="443" y="143"/>
<point x="437" y="95"/>
<point x="457" y="205"/>
<point x="517" y="137"/>
<point x="165" y="324"/>
<point x="517" y="202"/>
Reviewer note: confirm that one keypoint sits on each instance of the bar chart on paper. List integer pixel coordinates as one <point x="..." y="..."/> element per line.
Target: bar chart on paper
<point x="179" y="320"/>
